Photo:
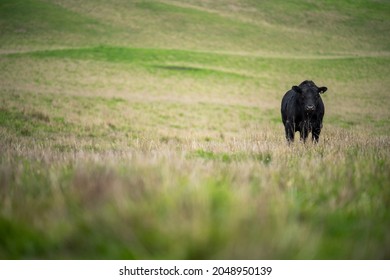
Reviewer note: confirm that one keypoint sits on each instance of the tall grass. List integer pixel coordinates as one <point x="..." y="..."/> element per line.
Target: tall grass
<point x="251" y="198"/>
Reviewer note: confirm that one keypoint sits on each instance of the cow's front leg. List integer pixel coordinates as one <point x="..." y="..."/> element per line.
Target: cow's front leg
<point x="316" y="134"/>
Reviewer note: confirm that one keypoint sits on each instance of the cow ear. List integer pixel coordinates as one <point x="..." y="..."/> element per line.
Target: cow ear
<point x="297" y="89"/>
<point x="322" y="89"/>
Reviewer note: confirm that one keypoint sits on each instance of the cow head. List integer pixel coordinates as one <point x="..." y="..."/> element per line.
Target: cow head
<point x="309" y="95"/>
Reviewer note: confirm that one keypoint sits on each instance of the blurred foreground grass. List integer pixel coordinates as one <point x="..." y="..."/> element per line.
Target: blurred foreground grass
<point x="246" y="199"/>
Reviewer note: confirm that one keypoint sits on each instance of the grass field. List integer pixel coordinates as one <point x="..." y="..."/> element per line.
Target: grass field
<point x="152" y="130"/>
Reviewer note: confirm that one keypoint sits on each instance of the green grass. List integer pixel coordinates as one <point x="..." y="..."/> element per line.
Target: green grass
<point x="152" y="130"/>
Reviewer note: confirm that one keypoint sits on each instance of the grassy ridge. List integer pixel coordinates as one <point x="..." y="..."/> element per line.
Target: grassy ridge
<point x="151" y="130"/>
<point x="25" y="24"/>
<point x="247" y="26"/>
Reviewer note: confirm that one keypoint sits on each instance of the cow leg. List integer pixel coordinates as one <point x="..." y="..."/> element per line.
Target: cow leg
<point x="316" y="134"/>
<point x="289" y="131"/>
<point x="304" y="133"/>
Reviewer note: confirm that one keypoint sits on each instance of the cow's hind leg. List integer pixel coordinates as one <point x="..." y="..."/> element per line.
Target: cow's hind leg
<point x="289" y="131"/>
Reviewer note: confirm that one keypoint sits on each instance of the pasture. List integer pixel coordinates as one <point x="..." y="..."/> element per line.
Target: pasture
<point x="152" y="130"/>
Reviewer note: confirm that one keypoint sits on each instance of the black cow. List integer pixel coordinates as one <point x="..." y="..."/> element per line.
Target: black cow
<point x="302" y="110"/>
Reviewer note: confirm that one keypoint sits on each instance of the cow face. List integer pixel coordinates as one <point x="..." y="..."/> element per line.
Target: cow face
<point x="309" y="95"/>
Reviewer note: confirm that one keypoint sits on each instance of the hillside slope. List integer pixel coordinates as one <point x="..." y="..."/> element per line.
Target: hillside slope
<point x="296" y="27"/>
